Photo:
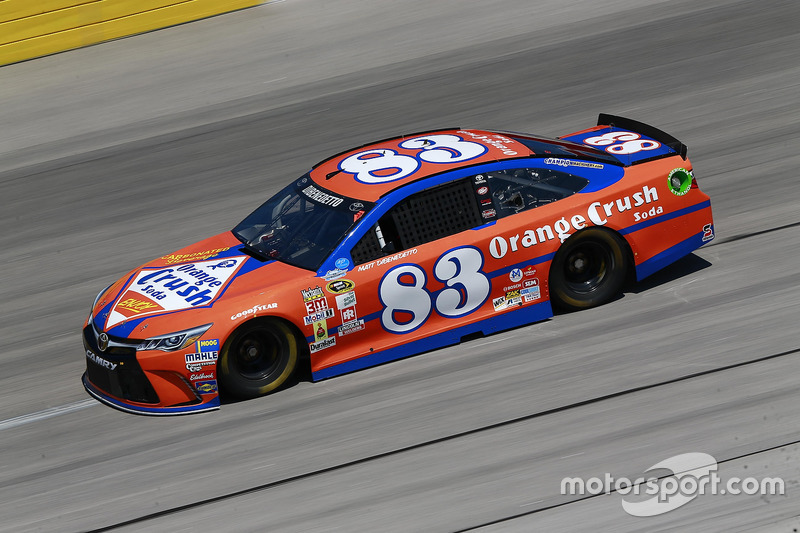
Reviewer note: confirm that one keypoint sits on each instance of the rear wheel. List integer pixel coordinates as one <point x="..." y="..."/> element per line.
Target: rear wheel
<point x="588" y="270"/>
<point x="258" y="358"/>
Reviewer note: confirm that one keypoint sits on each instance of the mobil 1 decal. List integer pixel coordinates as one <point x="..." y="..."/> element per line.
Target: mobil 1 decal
<point x="172" y="288"/>
<point x="408" y="303"/>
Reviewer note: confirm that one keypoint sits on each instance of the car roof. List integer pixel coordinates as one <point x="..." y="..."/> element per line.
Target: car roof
<point x="373" y="170"/>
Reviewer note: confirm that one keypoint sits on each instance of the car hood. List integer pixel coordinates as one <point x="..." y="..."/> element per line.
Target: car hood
<point x="189" y="287"/>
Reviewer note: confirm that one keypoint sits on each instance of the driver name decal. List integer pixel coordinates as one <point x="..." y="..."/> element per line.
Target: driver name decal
<point x="164" y="289"/>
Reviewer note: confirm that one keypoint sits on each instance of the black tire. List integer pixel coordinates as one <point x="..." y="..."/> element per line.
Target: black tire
<point x="588" y="270"/>
<point x="258" y="358"/>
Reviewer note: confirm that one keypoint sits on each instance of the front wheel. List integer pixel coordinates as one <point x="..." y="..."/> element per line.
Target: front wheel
<point x="588" y="270"/>
<point x="258" y="358"/>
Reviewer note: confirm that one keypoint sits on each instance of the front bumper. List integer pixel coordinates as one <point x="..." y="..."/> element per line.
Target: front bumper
<point x="122" y="378"/>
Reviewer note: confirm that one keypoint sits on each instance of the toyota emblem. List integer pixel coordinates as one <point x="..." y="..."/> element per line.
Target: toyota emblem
<point x="102" y="342"/>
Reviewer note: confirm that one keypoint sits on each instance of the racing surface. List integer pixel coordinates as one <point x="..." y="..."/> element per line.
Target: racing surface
<point x="122" y="152"/>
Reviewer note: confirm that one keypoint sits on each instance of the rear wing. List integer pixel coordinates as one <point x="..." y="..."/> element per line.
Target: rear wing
<point x="630" y="141"/>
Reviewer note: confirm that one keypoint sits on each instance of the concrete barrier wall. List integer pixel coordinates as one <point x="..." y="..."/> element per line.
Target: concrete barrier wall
<point x="33" y="28"/>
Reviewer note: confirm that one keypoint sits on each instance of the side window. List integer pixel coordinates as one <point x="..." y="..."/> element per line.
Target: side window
<point x="423" y="217"/>
<point x="514" y="190"/>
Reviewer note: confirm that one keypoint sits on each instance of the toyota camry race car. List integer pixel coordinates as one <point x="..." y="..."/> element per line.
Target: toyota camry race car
<point x="392" y="249"/>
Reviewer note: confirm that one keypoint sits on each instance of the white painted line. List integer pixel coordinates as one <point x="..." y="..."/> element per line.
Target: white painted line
<point x="531" y="503"/>
<point x="572" y="455"/>
<point x="47" y="413"/>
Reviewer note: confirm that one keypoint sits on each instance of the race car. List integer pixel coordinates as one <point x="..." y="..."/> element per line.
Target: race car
<point x="392" y="249"/>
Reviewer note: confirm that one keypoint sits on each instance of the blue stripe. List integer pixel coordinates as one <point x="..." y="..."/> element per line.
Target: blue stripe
<point x="664" y="218"/>
<point x="500" y="322"/>
<point x="668" y="256"/>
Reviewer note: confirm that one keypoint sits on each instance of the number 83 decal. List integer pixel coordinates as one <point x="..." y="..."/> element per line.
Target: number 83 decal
<point x="408" y="304"/>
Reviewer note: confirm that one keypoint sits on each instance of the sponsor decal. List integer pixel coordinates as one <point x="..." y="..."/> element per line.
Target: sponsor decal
<point x="334" y="274"/>
<point x="387" y="259"/>
<point x="207" y="355"/>
<point x="498" y="141"/>
<point x="483" y="191"/>
<point x="349" y="315"/>
<point x="515" y="275"/>
<point x="206" y="387"/>
<point x="597" y="213"/>
<point x="135" y="306"/>
<point x="201" y="358"/>
<point x="321" y="345"/>
<point x="195" y="377"/>
<point x="529" y="271"/>
<point x="356" y="207"/>
<point x="254" y="310"/>
<point x="530" y="294"/>
<point x="322" y="197"/>
<point x="708" y="232"/>
<point x="324" y="314"/>
<point x="345" y="300"/>
<point x="351" y="327"/>
<point x="502" y="303"/>
<point x="96" y="359"/>
<point x="570" y="163"/>
<point x="321" y="330"/>
<point x="512" y="295"/>
<point x="171" y="259"/>
<point x="488" y="213"/>
<point x="478" y="179"/>
<point x="512" y="287"/>
<point x="679" y="181"/>
<point x="342" y="263"/>
<point x="358" y="215"/>
<point x="340" y="286"/>
<point x="312" y="294"/>
<point x="208" y="345"/>
<point x="173" y="288"/>
<point x="531" y="283"/>
<point x="486" y="201"/>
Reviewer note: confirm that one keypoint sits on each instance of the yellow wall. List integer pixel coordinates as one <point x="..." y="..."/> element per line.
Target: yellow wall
<point x="33" y="28"/>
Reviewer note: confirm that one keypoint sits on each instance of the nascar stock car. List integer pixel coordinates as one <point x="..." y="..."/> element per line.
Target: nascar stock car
<point x="392" y="249"/>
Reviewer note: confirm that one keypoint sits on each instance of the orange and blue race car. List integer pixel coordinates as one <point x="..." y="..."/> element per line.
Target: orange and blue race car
<point x="392" y="249"/>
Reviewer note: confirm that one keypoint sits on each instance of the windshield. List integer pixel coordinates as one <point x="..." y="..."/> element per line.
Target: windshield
<point x="301" y="224"/>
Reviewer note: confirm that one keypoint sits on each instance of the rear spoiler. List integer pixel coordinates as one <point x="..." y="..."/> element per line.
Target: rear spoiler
<point x="645" y="129"/>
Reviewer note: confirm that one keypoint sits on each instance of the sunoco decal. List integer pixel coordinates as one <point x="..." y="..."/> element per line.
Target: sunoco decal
<point x="163" y="289"/>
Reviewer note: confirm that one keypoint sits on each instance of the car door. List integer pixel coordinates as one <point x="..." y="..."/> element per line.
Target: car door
<point x="423" y="275"/>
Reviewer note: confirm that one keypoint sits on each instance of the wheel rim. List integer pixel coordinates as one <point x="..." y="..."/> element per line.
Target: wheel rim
<point x="258" y="354"/>
<point x="587" y="266"/>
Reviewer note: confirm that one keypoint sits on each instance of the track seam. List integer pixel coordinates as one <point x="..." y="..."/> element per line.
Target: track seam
<point x="517" y="420"/>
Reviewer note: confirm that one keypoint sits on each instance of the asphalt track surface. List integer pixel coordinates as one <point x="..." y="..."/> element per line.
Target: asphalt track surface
<point x="125" y="151"/>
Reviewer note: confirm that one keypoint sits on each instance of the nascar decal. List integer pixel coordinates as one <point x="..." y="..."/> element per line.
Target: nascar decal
<point x="164" y="289"/>
<point x="383" y="165"/>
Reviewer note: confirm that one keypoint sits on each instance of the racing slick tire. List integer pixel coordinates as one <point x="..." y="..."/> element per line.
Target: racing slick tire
<point x="258" y="358"/>
<point x="588" y="270"/>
